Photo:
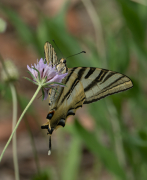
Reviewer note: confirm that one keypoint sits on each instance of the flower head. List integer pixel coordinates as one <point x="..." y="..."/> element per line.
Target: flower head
<point x="46" y="76"/>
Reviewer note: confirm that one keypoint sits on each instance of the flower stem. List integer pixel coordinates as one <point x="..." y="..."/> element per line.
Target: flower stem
<point x="14" y="140"/>
<point x="39" y="87"/>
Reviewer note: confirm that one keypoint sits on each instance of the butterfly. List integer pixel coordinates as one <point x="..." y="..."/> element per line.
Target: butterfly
<point x="84" y="85"/>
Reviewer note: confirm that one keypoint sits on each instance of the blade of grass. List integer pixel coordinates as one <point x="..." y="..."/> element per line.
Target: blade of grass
<point x="106" y="155"/>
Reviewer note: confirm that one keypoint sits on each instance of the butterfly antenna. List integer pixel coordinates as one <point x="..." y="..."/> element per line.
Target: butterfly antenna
<point x="57" y="47"/>
<point x="76" y="54"/>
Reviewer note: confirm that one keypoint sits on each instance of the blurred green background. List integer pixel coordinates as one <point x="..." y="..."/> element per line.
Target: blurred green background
<point x="106" y="140"/>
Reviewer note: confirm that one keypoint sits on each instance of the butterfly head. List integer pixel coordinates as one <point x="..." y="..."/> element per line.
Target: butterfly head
<point x="62" y="60"/>
<point x="61" y="67"/>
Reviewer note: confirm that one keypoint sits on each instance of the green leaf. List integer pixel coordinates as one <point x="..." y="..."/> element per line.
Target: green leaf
<point x="30" y="80"/>
<point x="71" y="163"/>
<point x="23" y="30"/>
<point x="134" y="21"/>
<point x="42" y="94"/>
<point x="108" y="157"/>
<point x="41" y="176"/>
<point x="32" y="75"/>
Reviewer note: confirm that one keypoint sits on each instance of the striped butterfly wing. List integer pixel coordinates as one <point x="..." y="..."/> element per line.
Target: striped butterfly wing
<point x="83" y="86"/>
<point x="50" y="54"/>
<point x="99" y="83"/>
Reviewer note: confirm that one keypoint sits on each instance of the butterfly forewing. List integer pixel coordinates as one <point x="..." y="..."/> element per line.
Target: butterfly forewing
<point x="99" y="83"/>
<point x="96" y="83"/>
<point x="50" y="54"/>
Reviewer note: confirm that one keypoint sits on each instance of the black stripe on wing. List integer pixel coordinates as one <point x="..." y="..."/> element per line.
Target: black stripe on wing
<point x="70" y="74"/>
<point x="66" y="80"/>
<point x="99" y="78"/>
<point x="93" y="100"/>
<point x="112" y="85"/>
<point x="70" y="112"/>
<point x="79" y="76"/>
<point x="72" y="87"/>
<point x="91" y="71"/>
<point x="80" y="101"/>
<point x="110" y="74"/>
<point x="109" y="87"/>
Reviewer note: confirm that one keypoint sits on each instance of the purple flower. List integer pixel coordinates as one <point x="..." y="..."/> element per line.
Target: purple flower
<point x="46" y="76"/>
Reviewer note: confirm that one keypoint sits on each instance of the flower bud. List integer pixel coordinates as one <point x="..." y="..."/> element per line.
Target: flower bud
<point x="3" y="25"/>
<point x="9" y="71"/>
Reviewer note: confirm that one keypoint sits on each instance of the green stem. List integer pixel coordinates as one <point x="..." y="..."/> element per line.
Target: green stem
<point x="118" y="140"/>
<point x="14" y="140"/>
<point x="39" y="87"/>
<point x="30" y="134"/>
